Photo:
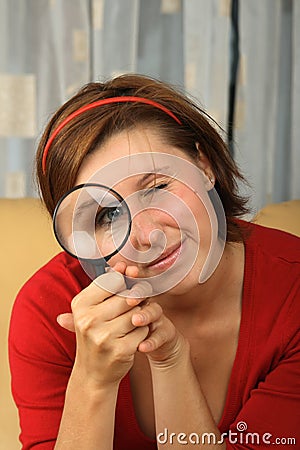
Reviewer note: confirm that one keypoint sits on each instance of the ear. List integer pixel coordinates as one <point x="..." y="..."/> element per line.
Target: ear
<point x="206" y="168"/>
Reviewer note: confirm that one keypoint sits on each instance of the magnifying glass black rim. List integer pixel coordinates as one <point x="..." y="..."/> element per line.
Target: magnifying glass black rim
<point x="96" y="261"/>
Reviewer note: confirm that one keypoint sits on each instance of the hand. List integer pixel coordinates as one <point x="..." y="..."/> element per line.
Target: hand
<point x="106" y="337"/>
<point x="164" y="345"/>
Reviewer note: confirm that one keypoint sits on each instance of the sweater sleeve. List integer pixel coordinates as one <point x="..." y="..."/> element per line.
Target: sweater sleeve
<point x="271" y="415"/>
<point x="41" y="354"/>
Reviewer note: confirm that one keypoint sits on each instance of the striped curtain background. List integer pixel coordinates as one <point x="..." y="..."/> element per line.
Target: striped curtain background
<point x="239" y="58"/>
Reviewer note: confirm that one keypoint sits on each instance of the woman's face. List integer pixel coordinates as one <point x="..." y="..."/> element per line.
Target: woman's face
<point x="170" y="217"/>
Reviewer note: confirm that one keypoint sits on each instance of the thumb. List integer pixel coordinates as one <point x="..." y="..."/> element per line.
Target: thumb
<point x="124" y="269"/>
<point x="66" y="321"/>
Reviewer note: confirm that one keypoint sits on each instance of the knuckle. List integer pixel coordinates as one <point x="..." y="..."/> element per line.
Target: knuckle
<point x="160" y="337"/>
<point x="157" y="308"/>
<point x="120" y="351"/>
<point x="164" y="337"/>
<point x="76" y="300"/>
<point x="102" y="339"/>
<point x="85" y="323"/>
<point x="152" y="311"/>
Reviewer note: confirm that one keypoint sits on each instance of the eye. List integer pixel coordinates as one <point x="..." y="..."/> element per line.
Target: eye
<point x="156" y="187"/>
<point x="108" y="215"/>
<point x="161" y="186"/>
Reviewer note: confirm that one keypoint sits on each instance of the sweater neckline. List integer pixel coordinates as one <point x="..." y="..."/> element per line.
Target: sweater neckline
<point x="242" y="360"/>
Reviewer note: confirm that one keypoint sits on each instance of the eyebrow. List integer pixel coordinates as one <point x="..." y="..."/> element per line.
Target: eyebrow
<point x="83" y="205"/>
<point x="159" y="171"/>
<point x="92" y="202"/>
<point x="140" y="183"/>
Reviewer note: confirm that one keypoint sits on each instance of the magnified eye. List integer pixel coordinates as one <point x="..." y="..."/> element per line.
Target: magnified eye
<point x="108" y="215"/>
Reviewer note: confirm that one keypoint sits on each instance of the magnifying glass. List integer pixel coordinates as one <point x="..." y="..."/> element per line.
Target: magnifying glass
<point x="92" y="222"/>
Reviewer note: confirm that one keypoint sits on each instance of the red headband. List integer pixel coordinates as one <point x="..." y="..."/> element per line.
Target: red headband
<point x="104" y="101"/>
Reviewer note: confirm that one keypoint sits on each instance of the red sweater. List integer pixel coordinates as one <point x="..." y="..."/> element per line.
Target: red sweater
<point x="264" y="388"/>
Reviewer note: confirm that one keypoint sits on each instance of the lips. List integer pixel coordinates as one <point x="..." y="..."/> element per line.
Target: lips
<point x="167" y="258"/>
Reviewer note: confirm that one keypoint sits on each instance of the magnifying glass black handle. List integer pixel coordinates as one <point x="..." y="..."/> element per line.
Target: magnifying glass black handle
<point x="93" y="267"/>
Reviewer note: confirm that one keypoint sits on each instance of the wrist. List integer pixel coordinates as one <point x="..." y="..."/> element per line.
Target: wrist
<point x="83" y="381"/>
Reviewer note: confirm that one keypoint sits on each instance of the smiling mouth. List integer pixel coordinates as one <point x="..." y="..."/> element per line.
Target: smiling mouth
<point x="167" y="259"/>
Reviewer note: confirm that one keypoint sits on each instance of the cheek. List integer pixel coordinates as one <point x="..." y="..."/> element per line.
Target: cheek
<point x="203" y="222"/>
<point x="175" y="208"/>
<point x="194" y="214"/>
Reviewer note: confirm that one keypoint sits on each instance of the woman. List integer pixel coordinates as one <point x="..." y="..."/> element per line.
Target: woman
<point x="124" y="363"/>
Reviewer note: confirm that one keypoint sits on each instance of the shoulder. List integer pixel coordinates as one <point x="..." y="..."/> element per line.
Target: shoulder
<point x="61" y="276"/>
<point x="43" y="297"/>
<point x="273" y="243"/>
<point x="272" y="281"/>
<point x="272" y="259"/>
<point x="272" y="256"/>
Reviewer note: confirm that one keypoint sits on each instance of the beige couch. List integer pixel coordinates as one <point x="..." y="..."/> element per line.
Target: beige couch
<point x="27" y="242"/>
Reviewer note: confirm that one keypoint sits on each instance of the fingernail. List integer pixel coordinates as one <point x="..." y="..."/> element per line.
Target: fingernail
<point x="136" y="293"/>
<point x="142" y="289"/>
<point x="140" y="317"/>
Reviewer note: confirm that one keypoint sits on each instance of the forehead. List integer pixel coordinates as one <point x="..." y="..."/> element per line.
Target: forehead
<point x="116" y="155"/>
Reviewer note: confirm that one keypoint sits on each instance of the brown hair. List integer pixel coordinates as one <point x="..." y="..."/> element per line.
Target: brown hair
<point x="88" y="130"/>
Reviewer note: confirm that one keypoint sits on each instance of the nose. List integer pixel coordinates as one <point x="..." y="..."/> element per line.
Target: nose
<point x="146" y="230"/>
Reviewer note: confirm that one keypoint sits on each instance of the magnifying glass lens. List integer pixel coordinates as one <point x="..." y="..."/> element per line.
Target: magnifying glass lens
<point x="92" y="222"/>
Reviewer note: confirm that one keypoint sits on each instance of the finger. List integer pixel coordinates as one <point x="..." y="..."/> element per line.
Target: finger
<point x="120" y="267"/>
<point x="114" y="307"/>
<point x="163" y="332"/>
<point x="111" y="308"/>
<point x="122" y="324"/>
<point x="156" y="340"/>
<point x="123" y="302"/>
<point x="148" y="314"/>
<point x="133" y="340"/>
<point x="138" y="292"/>
<point x="93" y="326"/>
<point x="111" y="282"/>
<point x="66" y="321"/>
<point x="129" y="271"/>
<point x="132" y="271"/>
<point x="100" y="289"/>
